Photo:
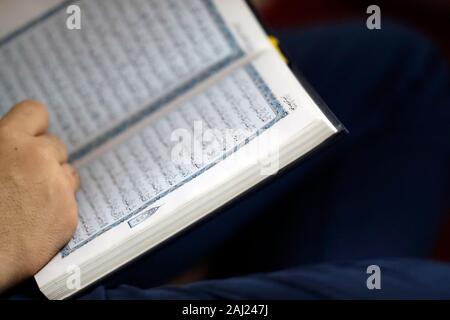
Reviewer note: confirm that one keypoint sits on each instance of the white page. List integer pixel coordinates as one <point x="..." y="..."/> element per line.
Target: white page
<point x="102" y="79"/>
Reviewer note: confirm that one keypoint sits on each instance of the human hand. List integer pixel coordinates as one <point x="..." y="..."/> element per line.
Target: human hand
<point x="38" y="209"/>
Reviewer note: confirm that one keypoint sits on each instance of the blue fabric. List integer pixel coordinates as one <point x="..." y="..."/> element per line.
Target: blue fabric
<point x="377" y="197"/>
<point x="400" y="279"/>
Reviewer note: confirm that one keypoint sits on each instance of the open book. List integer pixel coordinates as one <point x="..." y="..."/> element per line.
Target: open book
<point x="169" y="108"/>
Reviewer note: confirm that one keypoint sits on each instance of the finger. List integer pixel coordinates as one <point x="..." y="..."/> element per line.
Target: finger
<point x="72" y="176"/>
<point x="28" y="116"/>
<point x="56" y="147"/>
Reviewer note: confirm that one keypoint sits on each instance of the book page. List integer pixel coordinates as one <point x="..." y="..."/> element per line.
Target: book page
<point x="129" y="59"/>
<point x="267" y="105"/>
<point x="170" y="152"/>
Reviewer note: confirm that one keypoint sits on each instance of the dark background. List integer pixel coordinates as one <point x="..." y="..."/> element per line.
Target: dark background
<point x="429" y="17"/>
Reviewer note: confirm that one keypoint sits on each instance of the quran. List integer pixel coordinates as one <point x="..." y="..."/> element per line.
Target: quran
<point x="170" y="109"/>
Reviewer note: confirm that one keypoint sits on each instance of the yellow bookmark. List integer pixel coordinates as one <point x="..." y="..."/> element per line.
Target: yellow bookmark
<point x="276" y="44"/>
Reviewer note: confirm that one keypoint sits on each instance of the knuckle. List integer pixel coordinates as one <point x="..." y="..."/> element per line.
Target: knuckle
<point x="32" y="109"/>
<point x="39" y="151"/>
<point x="62" y="185"/>
<point x="62" y="148"/>
<point x="36" y="105"/>
<point x="7" y="133"/>
<point x="59" y="142"/>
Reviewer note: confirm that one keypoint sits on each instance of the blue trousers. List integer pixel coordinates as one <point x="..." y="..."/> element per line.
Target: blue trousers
<point x="379" y="196"/>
